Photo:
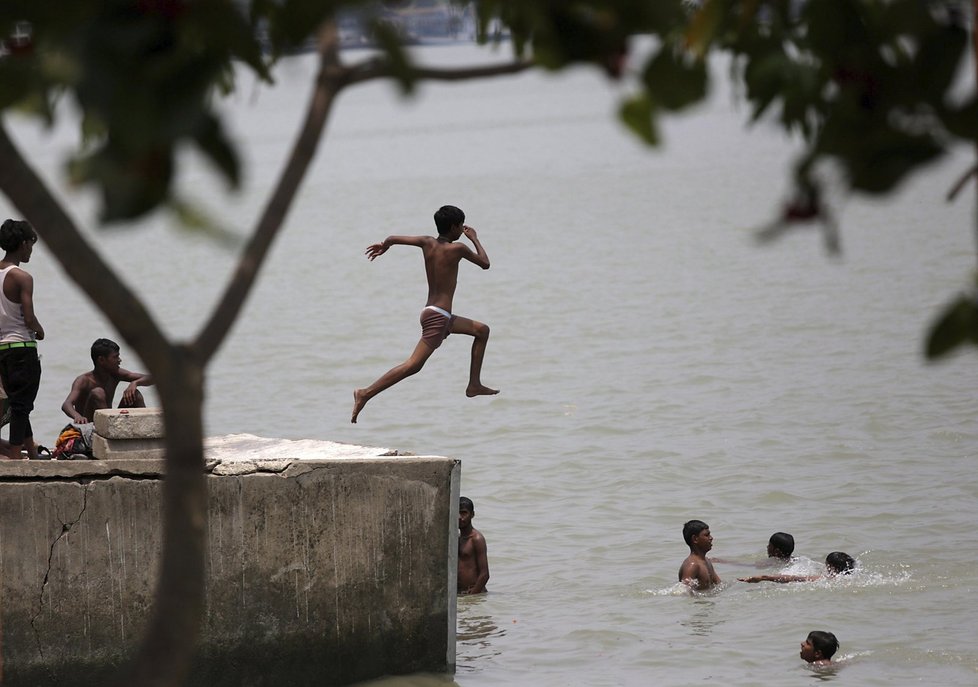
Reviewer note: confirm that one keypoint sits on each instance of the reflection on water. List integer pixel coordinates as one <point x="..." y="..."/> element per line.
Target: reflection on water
<point x="825" y="673"/>
<point x="703" y="620"/>
<point x="475" y="632"/>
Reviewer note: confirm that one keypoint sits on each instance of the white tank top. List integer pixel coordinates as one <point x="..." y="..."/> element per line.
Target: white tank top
<point x="12" y="327"/>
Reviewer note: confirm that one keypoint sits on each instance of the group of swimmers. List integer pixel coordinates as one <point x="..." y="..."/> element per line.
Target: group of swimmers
<point x="697" y="572"/>
<point x="20" y="366"/>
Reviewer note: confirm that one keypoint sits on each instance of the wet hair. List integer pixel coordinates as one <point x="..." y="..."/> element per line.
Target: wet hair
<point x="692" y="528"/>
<point x="447" y="217"/>
<point x="783" y="543"/>
<point x="465" y="503"/>
<point x="839" y="562"/>
<point x="14" y="232"/>
<point x="824" y="643"/>
<point x="103" y="347"/>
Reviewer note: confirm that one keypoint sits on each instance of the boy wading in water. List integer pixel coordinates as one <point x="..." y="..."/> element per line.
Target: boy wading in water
<point x="441" y="258"/>
<point x="697" y="571"/>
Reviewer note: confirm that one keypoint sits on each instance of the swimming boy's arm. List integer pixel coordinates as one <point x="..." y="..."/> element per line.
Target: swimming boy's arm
<point x="375" y="250"/>
<point x="780" y="578"/>
<point x="479" y="257"/>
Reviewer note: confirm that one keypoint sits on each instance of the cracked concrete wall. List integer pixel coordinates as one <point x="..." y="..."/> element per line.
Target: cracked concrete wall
<point x="318" y="572"/>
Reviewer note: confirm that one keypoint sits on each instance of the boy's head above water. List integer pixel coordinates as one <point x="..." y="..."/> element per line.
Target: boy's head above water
<point x="780" y="545"/>
<point x="839" y="563"/>
<point x="696" y="534"/>
<point x="819" y="647"/>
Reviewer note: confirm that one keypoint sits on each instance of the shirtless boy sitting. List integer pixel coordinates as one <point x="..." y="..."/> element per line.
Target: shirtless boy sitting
<point x="473" y="565"/>
<point x="94" y="390"/>
<point x="697" y="571"/>
<point x="441" y="258"/>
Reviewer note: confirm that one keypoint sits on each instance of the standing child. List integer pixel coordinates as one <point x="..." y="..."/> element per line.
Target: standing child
<point x="697" y="571"/>
<point x="473" y="564"/>
<point x="20" y="365"/>
<point x="441" y="258"/>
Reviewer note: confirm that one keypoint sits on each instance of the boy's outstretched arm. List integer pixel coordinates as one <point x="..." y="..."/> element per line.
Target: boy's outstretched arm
<point x="479" y="257"/>
<point x="783" y="579"/>
<point x="375" y="250"/>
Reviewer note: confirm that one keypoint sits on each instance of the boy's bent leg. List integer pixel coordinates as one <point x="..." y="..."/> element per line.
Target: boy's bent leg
<point x="137" y="402"/>
<point x="480" y="334"/>
<point x="412" y="365"/>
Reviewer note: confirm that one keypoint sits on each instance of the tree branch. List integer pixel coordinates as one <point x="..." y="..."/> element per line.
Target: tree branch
<point x="329" y="81"/>
<point x="84" y="265"/>
<point x="380" y="68"/>
<point x="959" y="184"/>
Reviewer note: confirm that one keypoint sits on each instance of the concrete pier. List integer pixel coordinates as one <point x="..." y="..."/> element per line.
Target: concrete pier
<point x="326" y="564"/>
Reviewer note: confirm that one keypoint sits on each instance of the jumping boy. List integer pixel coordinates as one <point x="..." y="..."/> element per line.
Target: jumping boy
<point x="473" y="564"/>
<point x="819" y="647"/>
<point x="441" y="258"/>
<point x="697" y="571"/>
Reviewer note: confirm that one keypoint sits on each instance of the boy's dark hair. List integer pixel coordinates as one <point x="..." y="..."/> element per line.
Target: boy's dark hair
<point x="447" y="217"/>
<point x="692" y="528"/>
<point x="841" y="563"/>
<point x="783" y="543"/>
<point x="14" y="232"/>
<point x="465" y="503"/>
<point x="824" y="642"/>
<point x="103" y="347"/>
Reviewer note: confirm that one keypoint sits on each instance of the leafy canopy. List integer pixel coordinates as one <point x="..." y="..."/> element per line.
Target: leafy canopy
<point x="870" y="86"/>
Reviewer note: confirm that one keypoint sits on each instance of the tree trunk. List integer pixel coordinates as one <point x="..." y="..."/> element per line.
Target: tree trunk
<point x="165" y="658"/>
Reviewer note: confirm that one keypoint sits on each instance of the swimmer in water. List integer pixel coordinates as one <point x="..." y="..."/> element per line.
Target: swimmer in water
<point x="818" y="648"/>
<point x="779" y="549"/>
<point x="836" y="563"/>
<point x="697" y="571"/>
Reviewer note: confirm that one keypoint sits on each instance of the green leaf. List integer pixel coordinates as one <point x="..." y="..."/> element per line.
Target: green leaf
<point x="938" y="59"/>
<point x="638" y="114"/>
<point x="962" y="121"/>
<point x="675" y="80"/>
<point x="390" y="41"/>
<point x="956" y="325"/>
<point x="212" y="141"/>
<point x="705" y="25"/>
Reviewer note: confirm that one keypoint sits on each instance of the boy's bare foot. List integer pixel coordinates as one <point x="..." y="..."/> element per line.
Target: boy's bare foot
<point x="358" y="403"/>
<point x="480" y="391"/>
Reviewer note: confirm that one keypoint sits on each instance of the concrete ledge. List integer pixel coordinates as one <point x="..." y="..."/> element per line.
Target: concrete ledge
<point x="319" y="572"/>
<point x="128" y="449"/>
<point x="130" y="423"/>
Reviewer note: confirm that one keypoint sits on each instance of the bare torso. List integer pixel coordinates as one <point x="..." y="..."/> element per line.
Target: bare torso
<point x="85" y="404"/>
<point x="471" y="560"/>
<point x="441" y="260"/>
<point x="698" y="572"/>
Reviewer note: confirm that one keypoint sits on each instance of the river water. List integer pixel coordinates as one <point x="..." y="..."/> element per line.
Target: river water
<point x="656" y="365"/>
